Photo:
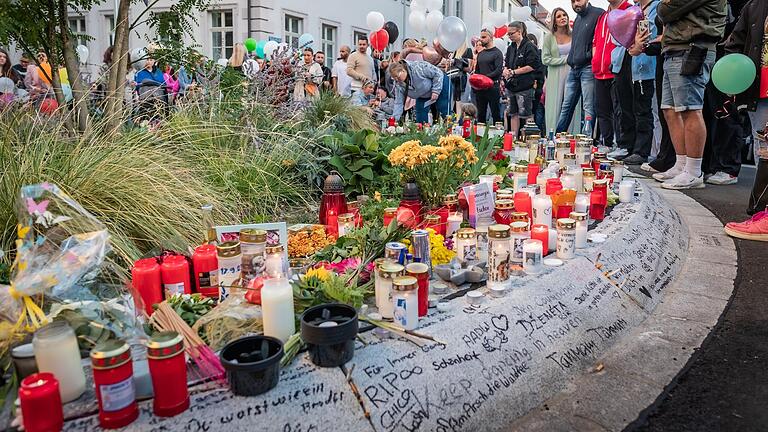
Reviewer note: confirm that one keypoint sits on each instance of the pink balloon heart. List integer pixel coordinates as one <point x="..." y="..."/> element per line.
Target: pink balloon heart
<point x="623" y="24"/>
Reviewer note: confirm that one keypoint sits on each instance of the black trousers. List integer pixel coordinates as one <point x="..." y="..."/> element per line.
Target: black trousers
<point x="625" y="122"/>
<point x="666" y="159"/>
<point x="604" y="110"/>
<point x="484" y="99"/>
<point x="726" y="134"/>
<point x="642" y="105"/>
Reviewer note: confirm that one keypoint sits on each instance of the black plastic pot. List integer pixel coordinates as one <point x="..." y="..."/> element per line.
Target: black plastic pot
<point x="252" y="364"/>
<point x="329" y="346"/>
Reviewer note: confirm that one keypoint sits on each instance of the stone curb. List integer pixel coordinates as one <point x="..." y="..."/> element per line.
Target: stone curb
<point x="631" y="375"/>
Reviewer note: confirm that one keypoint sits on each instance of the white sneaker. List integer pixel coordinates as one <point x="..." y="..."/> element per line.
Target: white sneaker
<point x="619" y="152"/>
<point x="666" y="175"/>
<point x="721" y="178"/>
<point x="648" y="168"/>
<point x="684" y="181"/>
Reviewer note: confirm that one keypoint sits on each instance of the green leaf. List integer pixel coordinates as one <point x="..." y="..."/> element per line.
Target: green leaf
<point x="491" y="169"/>
<point x="372" y="143"/>
<point x="366" y="173"/>
<point x="351" y="148"/>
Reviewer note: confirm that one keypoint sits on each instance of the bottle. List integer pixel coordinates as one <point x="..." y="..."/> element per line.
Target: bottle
<point x="550" y="153"/>
<point x="587" y="130"/>
<point x="209" y="232"/>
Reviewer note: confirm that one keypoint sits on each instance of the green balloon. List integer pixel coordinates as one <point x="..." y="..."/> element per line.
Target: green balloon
<point x="250" y="44"/>
<point x="260" y="48"/>
<point x="734" y="74"/>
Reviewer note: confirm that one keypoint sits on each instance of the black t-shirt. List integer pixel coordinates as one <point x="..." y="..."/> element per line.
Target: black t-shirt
<point x="490" y="62"/>
<point x="525" y="55"/>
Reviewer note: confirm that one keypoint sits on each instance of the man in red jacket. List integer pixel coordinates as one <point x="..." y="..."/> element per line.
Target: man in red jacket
<point x="605" y="97"/>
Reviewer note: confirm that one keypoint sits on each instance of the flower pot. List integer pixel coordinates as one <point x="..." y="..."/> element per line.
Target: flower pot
<point x="252" y="364"/>
<point x="329" y="331"/>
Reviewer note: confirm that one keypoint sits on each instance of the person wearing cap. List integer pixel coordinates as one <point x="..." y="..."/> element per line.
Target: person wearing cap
<point x="489" y="61"/>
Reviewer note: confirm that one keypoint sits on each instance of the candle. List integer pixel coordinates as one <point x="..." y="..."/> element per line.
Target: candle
<point x="588" y="178"/>
<point x="168" y="368"/>
<point x="56" y="351"/>
<point x="253" y="243"/>
<point x="146" y="280"/>
<point x="599" y="200"/>
<point x="387" y="273"/>
<point x="113" y="380"/>
<point x="568" y="180"/>
<point x="581" y="229"/>
<point x="230" y="262"/>
<point x="420" y="271"/>
<point x="41" y="401"/>
<point x="277" y="308"/>
<point x="566" y="238"/>
<point x="626" y="191"/>
<point x="482" y="242"/>
<point x="562" y="147"/>
<point x="275" y="265"/>
<point x="502" y="213"/>
<point x="533" y="253"/>
<point x="542" y="210"/>
<point x="519" y="234"/>
<point x="454" y="223"/>
<point x="552" y="240"/>
<point x="406" y="303"/>
<point x="480" y="130"/>
<point x="205" y="264"/>
<point x="174" y="271"/>
<point x="520" y="177"/>
<point x="346" y="223"/>
<point x="489" y="179"/>
<point x="432" y="221"/>
<point x="533" y="173"/>
<point x="569" y="161"/>
<point x="618" y="171"/>
<point x="498" y="256"/>
<point x="354" y="208"/>
<point x="508" y="141"/>
<point x="332" y="203"/>
<point x="581" y="204"/>
<point x="553" y="185"/>
<point x="466" y="245"/>
<point x="389" y="215"/>
<point x="523" y="204"/>
<point x="540" y="232"/>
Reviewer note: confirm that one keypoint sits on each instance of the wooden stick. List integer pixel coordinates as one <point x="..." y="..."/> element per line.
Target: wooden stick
<point x="356" y="392"/>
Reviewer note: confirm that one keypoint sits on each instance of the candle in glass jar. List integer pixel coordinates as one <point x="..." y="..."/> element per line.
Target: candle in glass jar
<point x="533" y="253"/>
<point x="533" y="172"/>
<point x="566" y="238"/>
<point x="390" y="213"/>
<point x="230" y="262"/>
<point x="420" y="271"/>
<point x="520" y="177"/>
<point x="386" y="274"/>
<point x="454" y="223"/>
<point x="40" y="398"/>
<point x="518" y="235"/>
<point x="57" y="352"/>
<point x="275" y="265"/>
<point x="168" y="368"/>
<point x="253" y="244"/>
<point x="553" y="185"/>
<point x="498" y="256"/>
<point x="588" y="178"/>
<point x="277" y="308"/>
<point x="406" y="302"/>
<point x="626" y="191"/>
<point x="523" y="204"/>
<point x="502" y="213"/>
<point x="542" y="210"/>
<point x="581" y="229"/>
<point x="581" y="204"/>
<point x="432" y="221"/>
<point x="346" y="223"/>
<point x="540" y="232"/>
<point x="569" y="160"/>
<point x="113" y="380"/>
<point x="466" y="245"/>
<point x="618" y="171"/>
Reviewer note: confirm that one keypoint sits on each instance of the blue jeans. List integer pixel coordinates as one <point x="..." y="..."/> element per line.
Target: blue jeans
<point x="443" y="103"/>
<point x="580" y="84"/>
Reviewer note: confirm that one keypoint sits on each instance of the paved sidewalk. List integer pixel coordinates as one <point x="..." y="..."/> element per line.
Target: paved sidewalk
<point x="724" y="387"/>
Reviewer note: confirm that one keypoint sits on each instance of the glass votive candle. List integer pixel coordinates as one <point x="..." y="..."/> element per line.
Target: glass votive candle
<point x="40" y="401"/>
<point x="533" y="254"/>
<point x="540" y="232"/>
<point x="626" y="191"/>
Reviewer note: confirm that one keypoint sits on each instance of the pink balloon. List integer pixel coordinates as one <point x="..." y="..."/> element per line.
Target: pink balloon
<point x="623" y="24"/>
<point x="440" y="50"/>
<point x="430" y="55"/>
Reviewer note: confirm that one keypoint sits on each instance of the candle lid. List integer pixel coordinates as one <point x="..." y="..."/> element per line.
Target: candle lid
<point x="392" y="270"/>
<point x="480" y="124"/>
<point x="498" y="231"/>
<point x="504" y="191"/>
<point x="253" y="236"/>
<point x="432" y="218"/>
<point x="601" y="182"/>
<point x="390" y="211"/>
<point x="562" y="143"/>
<point x="379" y="262"/>
<point x="520" y="217"/>
<point x="228" y="249"/>
<point x="164" y="345"/>
<point x="505" y="204"/>
<point x="404" y="283"/>
<point x="110" y="354"/>
<point x="588" y="172"/>
<point x="23" y="351"/>
<point x="465" y="233"/>
<point x="353" y="204"/>
<point x="618" y="163"/>
<point x="519" y="227"/>
<point x="504" y="196"/>
<point x="417" y="268"/>
<point x="450" y="199"/>
<point x="577" y="216"/>
<point x="333" y="183"/>
<point x="346" y="217"/>
<point x="521" y="168"/>
<point x="566" y="223"/>
<point x="570" y="156"/>
<point x="273" y="249"/>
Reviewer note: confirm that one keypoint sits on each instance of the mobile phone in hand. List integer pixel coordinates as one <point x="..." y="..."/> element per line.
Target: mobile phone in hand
<point x="643" y="26"/>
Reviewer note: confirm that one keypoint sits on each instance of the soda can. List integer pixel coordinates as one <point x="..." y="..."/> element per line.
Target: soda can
<point x="395" y="251"/>
<point x="421" y="248"/>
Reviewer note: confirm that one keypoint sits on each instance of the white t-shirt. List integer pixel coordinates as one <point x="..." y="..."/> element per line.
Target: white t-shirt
<point x="344" y="84"/>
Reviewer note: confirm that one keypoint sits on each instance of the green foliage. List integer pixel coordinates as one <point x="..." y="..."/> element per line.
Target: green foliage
<point x="336" y="111"/>
<point x="362" y="162"/>
<point x="484" y="148"/>
<point x="336" y="289"/>
<point x="191" y="307"/>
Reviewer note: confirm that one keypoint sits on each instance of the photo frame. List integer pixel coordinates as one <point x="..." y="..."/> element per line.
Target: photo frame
<point x="277" y="232"/>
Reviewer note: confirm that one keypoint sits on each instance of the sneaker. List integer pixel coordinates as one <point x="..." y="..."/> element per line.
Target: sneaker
<point x="666" y="175"/>
<point x="619" y="152"/>
<point x="684" y="181"/>
<point x="648" y="168"/>
<point x="755" y="228"/>
<point x="634" y="159"/>
<point x="721" y="178"/>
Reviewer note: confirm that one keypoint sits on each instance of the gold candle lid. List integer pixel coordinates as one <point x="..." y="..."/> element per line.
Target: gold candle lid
<point x="588" y="172"/>
<point x="505" y="204"/>
<point x="433" y="218"/>
<point x="520" y="217"/>
<point x="519" y="227"/>
<point x="504" y="192"/>
<point x="392" y="270"/>
<point x="417" y="268"/>
<point x="404" y="283"/>
<point x="380" y="262"/>
<point x="465" y="233"/>
<point x="346" y="217"/>
<point x="450" y="199"/>
<point x="274" y="249"/>
<point x="390" y="211"/>
<point x="618" y="163"/>
<point x="521" y="168"/>
<point x="578" y="217"/>
<point x="570" y="156"/>
<point x="498" y="231"/>
<point x="249" y="235"/>
<point x="566" y="223"/>
<point x="353" y="204"/>
<point x="228" y="249"/>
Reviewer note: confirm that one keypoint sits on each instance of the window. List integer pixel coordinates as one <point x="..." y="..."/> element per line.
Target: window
<point x="493" y="5"/>
<point x="356" y="37"/>
<point x="294" y="27"/>
<point x="111" y="26"/>
<point x="222" y="34"/>
<point x="459" y="12"/>
<point x="329" y="43"/>
<point x="77" y="27"/>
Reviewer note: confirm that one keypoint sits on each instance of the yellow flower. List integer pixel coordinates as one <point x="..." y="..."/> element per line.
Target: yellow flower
<point x="319" y="273"/>
<point x="377" y="196"/>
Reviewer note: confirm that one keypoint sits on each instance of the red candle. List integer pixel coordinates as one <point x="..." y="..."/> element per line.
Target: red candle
<point x="541" y="232"/>
<point x="553" y="185"/>
<point x="421" y="272"/>
<point x="508" y="142"/>
<point x="573" y="146"/>
<point x="332" y="223"/>
<point x="205" y="263"/>
<point x="113" y="379"/>
<point x="433" y="221"/>
<point x="175" y="274"/>
<point x="41" y="403"/>
<point x="523" y="202"/>
<point x="389" y="214"/>
<point x="168" y="368"/>
<point x="146" y="280"/>
<point x="533" y="173"/>
<point x="409" y="213"/>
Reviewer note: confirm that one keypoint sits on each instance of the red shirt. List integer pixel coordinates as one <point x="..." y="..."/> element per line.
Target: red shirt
<point x="603" y="46"/>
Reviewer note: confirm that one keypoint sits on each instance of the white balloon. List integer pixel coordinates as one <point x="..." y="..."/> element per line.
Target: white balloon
<point x="375" y="20"/>
<point x="434" y="18"/>
<point x="501" y="44"/>
<point x="521" y="13"/>
<point x="417" y="20"/>
<point x="222" y="62"/>
<point x="419" y="6"/>
<point x="269" y="48"/>
<point x="435" y="5"/>
<point x="452" y="33"/>
<point x="534" y="29"/>
<point x="6" y="85"/>
<point x="488" y="26"/>
<point x="139" y="58"/>
<point x="82" y="53"/>
<point x="251" y="68"/>
<point x="498" y="19"/>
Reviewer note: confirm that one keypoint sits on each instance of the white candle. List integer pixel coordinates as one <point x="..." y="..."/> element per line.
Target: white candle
<point x="230" y="265"/>
<point x="552" y="243"/>
<point x="581" y="205"/>
<point x="346" y="223"/>
<point x="489" y="179"/>
<point x="387" y="273"/>
<point x="618" y="171"/>
<point x="466" y="245"/>
<point x="581" y="229"/>
<point x="566" y="238"/>
<point x="405" y="299"/>
<point x="569" y="180"/>
<point x="520" y="178"/>
<point x="454" y="223"/>
<point x="542" y="210"/>
<point x="482" y="242"/>
<point x="626" y="191"/>
<point x="277" y="308"/>
<point x="498" y="256"/>
<point x="56" y="351"/>
<point x="532" y="256"/>
<point x="519" y="234"/>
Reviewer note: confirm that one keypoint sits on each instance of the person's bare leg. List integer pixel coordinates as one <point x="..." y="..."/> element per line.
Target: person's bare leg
<point x="514" y="123"/>
<point x="677" y="134"/>
<point x="695" y="139"/>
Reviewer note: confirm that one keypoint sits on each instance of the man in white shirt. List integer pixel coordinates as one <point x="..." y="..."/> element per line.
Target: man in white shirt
<point x="341" y="81"/>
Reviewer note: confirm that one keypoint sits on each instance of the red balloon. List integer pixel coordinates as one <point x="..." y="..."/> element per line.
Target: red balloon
<point x="379" y="39"/>
<point x="480" y="82"/>
<point x="500" y="32"/>
<point x="48" y="106"/>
